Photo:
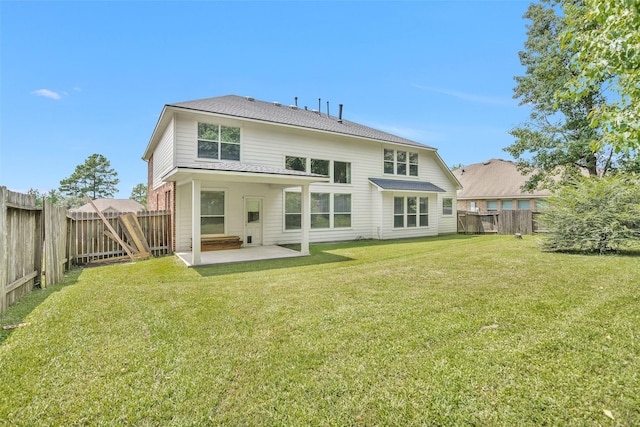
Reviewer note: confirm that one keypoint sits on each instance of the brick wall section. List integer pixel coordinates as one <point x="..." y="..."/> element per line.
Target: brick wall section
<point x="162" y="198"/>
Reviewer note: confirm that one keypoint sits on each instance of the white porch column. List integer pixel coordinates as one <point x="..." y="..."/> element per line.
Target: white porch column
<point x="195" y="222"/>
<point x="306" y="219"/>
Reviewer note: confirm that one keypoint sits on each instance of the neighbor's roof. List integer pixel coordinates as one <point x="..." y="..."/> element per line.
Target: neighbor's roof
<point x="495" y="178"/>
<point x="405" y="185"/>
<point x="114" y="205"/>
<point x="274" y="112"/>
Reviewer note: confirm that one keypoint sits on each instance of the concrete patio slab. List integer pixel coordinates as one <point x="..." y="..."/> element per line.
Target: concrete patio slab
<point x="251" y="253"/>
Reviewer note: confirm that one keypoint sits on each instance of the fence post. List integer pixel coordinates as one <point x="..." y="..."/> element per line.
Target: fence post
<point x="4" y="256"/>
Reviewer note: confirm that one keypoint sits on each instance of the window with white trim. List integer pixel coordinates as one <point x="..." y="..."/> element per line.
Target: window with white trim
<point x="212" y="213"/>
<point x="399" y="162"/>
<point x="295" y="163"/>
<point x="447" y="206"/>
<point x="410" y="212"/>
<point x="292" y="210"/>
<point x="341" y="210"/>
<point x="218" y="142"/>
<point x="328" y="210"/>
<point x="341" y="170"/>
<point x="320" y="210"/>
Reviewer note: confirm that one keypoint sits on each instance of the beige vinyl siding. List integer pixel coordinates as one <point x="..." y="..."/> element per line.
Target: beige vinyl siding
<point x="267" y="144"/>
<point x="183" y="217"/>
<point x="163" y="156"/>
<point x="293" y="142"/>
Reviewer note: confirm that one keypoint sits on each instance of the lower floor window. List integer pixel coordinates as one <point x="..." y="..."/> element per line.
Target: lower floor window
<point x="447" y="206"/>
<point x="211" y="213"/>
<point x="409" y="212"/>
<point x="327" y="210"/>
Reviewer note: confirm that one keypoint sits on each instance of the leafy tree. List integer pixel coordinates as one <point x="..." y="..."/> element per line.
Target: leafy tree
<point x="594" y="215"/>
<point x="94" y="177"/>
<point x="139" y="194"/>
<point x="54" y="197"/>
<point x="604" y="36"/>
<point x="557" y="135"/>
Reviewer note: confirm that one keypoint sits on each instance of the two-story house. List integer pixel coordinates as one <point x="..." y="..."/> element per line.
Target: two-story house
<point x="277" y="174"/>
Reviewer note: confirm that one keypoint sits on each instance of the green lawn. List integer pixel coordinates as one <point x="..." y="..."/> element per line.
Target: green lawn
<point x="459" y="330"/>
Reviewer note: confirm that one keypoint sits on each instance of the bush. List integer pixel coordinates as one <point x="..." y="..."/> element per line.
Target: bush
<point x="594" y="215"/>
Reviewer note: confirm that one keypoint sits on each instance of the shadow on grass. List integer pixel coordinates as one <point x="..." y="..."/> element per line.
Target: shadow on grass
<point x="316" y="258"/>
<point x="18" y="312"/>
<point x="319" y="255"/>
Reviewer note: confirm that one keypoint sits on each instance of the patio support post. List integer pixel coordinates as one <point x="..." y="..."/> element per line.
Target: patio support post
<point x="195" y="222"/>
<point x="306" y="219"/>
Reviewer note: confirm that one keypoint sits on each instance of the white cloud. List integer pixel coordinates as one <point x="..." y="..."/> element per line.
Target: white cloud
<point x="47" y="93"/>
<point x="465" y="96"/>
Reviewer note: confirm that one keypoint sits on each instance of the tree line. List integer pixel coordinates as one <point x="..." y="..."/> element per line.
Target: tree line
<point x="582" y="87"/>
<point x="95" y="178"/>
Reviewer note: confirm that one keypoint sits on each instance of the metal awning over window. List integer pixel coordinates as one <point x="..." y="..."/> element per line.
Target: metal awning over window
<point x="385" y="184"/>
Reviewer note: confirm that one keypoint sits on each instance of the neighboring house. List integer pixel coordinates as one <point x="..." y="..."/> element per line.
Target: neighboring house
<point x="111" y="205"/>
<point x="495" y="185"/>
<point x="276" y="174"/>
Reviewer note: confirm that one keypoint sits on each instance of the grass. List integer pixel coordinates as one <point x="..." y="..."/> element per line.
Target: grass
<point x="458" y="330"/>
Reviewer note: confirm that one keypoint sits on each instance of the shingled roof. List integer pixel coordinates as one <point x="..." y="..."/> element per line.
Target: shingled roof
<point x="405" y="185"/>
<point x="274" y="112"/>
<point x="495" y="178"/>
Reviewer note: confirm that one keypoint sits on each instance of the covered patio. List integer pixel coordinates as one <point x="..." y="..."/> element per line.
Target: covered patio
<point x="242" y="188"/>
<point x="250" y="253"/>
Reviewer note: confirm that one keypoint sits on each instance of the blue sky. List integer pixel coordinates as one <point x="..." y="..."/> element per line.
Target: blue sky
<point x="79" y="78"/>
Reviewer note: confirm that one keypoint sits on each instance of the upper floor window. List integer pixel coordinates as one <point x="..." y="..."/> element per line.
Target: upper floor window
<point x="218" y="142"/>
<point x="341" y="170"/>
<point x="295" y="163"/>
<point x="398" y="162"/>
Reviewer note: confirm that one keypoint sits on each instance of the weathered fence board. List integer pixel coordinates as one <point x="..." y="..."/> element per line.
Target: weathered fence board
<point x="20" y="245"/>
<point x="522" y="221"/>
<point x="89" y="243"/>
<point x="55" y="234"/>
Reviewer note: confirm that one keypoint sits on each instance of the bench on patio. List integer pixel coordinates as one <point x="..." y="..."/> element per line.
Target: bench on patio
<point x="220" y="243"/>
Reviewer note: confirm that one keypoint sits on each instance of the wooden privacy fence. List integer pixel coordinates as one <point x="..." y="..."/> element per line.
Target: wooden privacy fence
<point x="32" y="245"/>
<point x="20" y="245"/>
<point x="89" y="237"/>
<point x="37" y="244"/>
<point x="504" y="222"/>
